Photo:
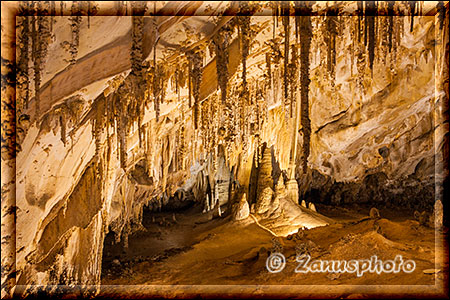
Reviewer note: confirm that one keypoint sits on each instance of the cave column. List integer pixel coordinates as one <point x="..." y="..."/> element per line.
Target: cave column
<point x="291" y="184"/>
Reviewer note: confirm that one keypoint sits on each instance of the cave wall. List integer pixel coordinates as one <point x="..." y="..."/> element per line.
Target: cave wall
<point x="110" y="136"/>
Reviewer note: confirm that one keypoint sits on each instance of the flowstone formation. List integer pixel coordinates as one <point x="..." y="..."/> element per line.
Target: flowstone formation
<point x="244" y="108"/>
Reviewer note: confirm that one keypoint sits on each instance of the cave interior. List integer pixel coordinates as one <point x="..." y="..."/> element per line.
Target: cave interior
<point x="186" y="142"/>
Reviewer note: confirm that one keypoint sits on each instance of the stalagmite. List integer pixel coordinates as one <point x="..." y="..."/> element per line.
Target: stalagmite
<point x="374" y="213"/>
<point x="241" y="209"/>
<point x="265" y="191"/>
<point x="124" y="129"/>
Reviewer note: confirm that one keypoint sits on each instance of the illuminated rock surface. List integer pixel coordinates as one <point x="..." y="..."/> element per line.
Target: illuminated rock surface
<point x="117" y="115"/>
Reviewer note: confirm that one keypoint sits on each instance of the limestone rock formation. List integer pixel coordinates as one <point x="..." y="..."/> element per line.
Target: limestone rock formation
<point x="241" y="209"/>
<point x="117" y="113"/>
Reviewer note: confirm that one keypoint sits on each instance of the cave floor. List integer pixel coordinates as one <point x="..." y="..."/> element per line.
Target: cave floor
<point x="196" y="251"/>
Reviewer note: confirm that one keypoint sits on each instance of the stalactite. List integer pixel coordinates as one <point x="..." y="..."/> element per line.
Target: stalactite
<point x="211" y="124"/>
<point x="182" y="146"/>
<point x="109" y="120"/>
<point x="156" y="71"/>
<point x="89" y="15"/>
<point x="297" y="20"/>
<point x="330" y="39"/>
<point x="23" y="80"/>
<point x="116" y="106"/>
<point x="119" y="108"/>
<point x="253" y="109"/>
<point x="352" y="30"/>
<point x="75" y="20"/>
<point x="293" y="78"/>
<point x="244" y="125"/>
<point x="190" y="83"/>
<point x="99" y="124"/>
<point x="286" y="26"/>
<point x="63" y="121"/>
<point x="215" y="110"/>
<point x="137" y="58"/>
<point x="62" y="116"/>
<point x="221" y="42"/>
<point x="36" y="63"/>
<point x="412" y="10"/>
<point x="136" y="53"/>
<point x="370" y="16"/>
<point x="366" y="24"/>
<point x="229" y="124"/>
<point x="382" y="48"/>
<point x="390" y="23"/>
<point x="162" y="74"/>
<point x="273" y="69"/>
<point x="269" y="69"/>
<point x="175" y="84"/>
<point x="40" y="39"/>
<point x="277" y="12"/>
<point x="240" y="104"/>
<point x="52" y="14"/>
<point x="196" y="59"/>
<point x="376" y="26"/>
<point x="245" y="35"/>
<point x="44" y="29"/>
<point x="305" y="44"/>
<point x="441" y="14"/>
<point x="122" y="130"/>
<point x="360" y="17"/>
<point x="204" y="108"/>
<point x="400" y="30"/>
<point x="260" y="104"/>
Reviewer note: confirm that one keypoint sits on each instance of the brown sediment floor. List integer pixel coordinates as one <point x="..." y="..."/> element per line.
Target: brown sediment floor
<point x="196" y="251"/>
